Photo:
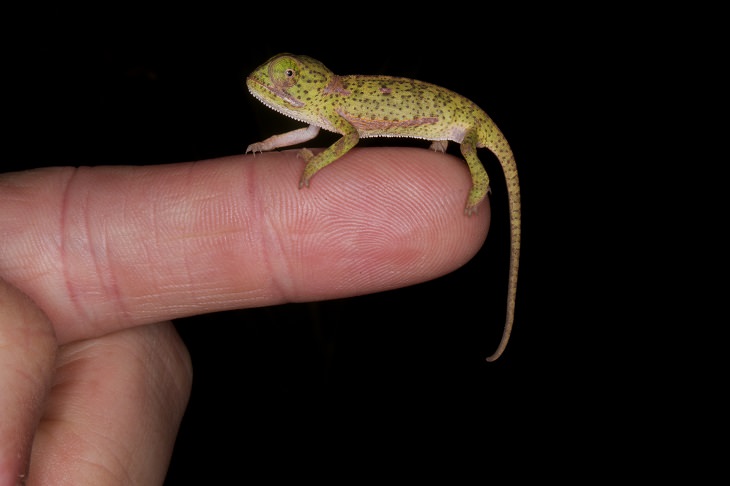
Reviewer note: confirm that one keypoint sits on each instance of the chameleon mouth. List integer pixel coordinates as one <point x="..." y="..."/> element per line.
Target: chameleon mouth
<point x="256" y="87"/>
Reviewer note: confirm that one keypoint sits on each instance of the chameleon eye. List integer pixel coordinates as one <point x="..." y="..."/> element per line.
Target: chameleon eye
<point x="284" y="71"/>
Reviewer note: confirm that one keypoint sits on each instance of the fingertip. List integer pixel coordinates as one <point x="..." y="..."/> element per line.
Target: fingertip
<point x="376" y="219"/>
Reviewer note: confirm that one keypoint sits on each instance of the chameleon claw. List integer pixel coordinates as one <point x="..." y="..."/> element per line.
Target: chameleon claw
<point x="439" y="145"/>
<point x="306" y="154"/>
<point x="470" y="210"/>
<point x="255" y="147"/>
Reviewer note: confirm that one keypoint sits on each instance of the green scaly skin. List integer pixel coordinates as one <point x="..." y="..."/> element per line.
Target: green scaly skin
<point x="384" y="106"/>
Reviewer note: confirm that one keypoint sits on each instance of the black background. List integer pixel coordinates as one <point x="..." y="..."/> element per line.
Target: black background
<point x="298" y="390"/>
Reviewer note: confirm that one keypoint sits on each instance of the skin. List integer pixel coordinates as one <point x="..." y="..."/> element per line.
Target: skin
<point x="95" y="261"/>
<point x="359" y="106"/>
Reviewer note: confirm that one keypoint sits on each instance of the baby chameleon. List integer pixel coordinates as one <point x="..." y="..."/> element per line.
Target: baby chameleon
<point x="384" y="106"/>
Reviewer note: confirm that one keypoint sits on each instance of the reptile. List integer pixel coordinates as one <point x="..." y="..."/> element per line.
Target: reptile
<point x="361" y="106"/>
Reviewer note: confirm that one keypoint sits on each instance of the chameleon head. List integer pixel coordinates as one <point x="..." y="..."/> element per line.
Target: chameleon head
<point x="285" y="82"/>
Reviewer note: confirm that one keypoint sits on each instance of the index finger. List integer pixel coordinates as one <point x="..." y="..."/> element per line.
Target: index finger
<point x="104" y="248"/>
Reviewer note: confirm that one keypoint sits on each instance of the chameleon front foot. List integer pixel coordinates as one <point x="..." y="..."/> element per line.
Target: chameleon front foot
<point x="255" y="147"/>
<point x="439" y="145"/>
<point x="307" y="155"/>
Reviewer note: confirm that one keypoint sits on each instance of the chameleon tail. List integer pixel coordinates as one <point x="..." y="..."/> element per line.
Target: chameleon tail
<point x="503" y="152"/>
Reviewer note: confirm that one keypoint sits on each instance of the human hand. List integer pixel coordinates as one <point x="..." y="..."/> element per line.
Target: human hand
<point x="94" y="262"/>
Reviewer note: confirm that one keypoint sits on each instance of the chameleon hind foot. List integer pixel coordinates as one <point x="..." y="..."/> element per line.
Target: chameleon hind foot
<point x="477" y="194"/>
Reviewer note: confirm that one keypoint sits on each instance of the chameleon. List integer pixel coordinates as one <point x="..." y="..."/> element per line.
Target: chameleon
<point x="361" y="106"/>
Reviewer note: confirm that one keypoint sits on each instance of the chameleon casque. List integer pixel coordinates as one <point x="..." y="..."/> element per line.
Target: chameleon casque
<point x="359" y="106"/>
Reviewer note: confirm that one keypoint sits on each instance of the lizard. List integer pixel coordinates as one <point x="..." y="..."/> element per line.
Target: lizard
<point x="361" y="106"/>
